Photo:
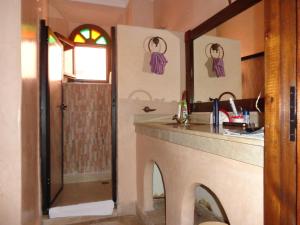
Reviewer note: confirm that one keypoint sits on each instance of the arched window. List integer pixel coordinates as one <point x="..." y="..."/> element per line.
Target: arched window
<point x="91" y="53"/>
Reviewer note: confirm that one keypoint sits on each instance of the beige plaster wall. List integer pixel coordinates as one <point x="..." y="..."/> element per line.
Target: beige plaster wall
<point x="19" y="176"/>
<point x="137" y="88"/>
<point x="206" y="84"/>
<point x="239" y="186"/>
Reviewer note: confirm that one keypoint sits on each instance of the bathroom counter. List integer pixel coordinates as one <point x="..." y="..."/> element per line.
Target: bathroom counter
<point x="206" y="138"/>
<point x="230" y="167"/>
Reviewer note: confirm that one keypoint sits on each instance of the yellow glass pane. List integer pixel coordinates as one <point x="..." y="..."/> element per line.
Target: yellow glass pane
<point x="95" y="34"/>
<point x="79" y="39"/>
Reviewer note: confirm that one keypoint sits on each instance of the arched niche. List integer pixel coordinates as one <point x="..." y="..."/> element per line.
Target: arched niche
<point x="200" y="204"/>
<point x="207" y="206"/>
<point x="154" y="193"/>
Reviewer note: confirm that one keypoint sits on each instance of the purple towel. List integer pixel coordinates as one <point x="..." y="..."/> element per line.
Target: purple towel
<point x="158" y="62"/>
<point x="218" y="67"/>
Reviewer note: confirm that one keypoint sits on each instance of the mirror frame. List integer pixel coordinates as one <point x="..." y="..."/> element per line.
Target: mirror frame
<point x="225" y="14"/>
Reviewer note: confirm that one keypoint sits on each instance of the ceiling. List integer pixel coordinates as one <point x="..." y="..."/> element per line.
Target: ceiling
<point x="114" y="3"/>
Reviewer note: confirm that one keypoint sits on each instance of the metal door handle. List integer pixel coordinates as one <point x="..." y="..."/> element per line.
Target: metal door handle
<point x="63" y="107"/>
<point x="148" y="109"/>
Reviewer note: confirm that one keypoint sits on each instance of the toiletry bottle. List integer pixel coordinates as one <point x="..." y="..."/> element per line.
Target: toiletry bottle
<point x="184" y="110"/>
<point x="246" y="116"/>
<point x="216" y="112"/>
<point x="179" y="110"/>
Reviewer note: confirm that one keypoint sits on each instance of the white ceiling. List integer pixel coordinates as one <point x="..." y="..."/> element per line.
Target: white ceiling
<point x="115" y="3"/>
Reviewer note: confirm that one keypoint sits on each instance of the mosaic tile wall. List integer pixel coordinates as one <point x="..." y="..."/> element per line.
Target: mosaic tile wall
<point x="87" y="128"/>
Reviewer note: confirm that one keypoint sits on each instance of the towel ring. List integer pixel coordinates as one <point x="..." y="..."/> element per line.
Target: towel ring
<point x="155" y="40"/>
<point x="215" y="47"/>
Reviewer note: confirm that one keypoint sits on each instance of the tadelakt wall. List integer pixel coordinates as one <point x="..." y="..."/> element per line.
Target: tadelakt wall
<point x="137" y="88"/>
<point x="32" y="12"/>
<point x="19" y="157"/>
<point x="10" y="98"/>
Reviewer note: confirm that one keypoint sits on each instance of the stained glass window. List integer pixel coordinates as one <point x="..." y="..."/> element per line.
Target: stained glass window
<point x="91" y="53"/>
<point x="51" y="39"/>
<point x="101" y="41"/>
<point x="85" y="33"/>
<point x="95" y="34"/>
<point x="79" y="39"/>
<point x="90" y="35"/>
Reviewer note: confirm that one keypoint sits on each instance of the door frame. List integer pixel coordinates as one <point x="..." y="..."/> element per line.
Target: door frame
<point x="280" y="167"/>
<point x="298" y="113"/>
<point x="114" y="115"/>
<point x="45" y="122"/>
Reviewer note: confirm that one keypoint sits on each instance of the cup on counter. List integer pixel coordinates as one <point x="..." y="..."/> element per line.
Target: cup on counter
<point x="237" y="119"/>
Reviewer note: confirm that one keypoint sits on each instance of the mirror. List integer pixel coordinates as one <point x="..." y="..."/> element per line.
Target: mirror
<point x="225" y="53"/>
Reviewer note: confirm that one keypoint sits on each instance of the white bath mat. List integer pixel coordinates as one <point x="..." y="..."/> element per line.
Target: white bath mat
<point x="102" y="208"/>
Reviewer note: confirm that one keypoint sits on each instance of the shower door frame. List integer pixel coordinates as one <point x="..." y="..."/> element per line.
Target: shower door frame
<point x="45" y="148"/>
<point x="113" y="63"/>
<point x="114" y="115"/>
<point x="45" y="122"/>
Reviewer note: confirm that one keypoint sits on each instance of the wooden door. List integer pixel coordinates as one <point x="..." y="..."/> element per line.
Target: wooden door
<point x="280" y="169"/>
<point x="51" y="69"/>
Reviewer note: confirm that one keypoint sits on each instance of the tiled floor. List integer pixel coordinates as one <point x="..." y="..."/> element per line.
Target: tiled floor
<point x="158" y="215"/>
<point x="84" y="192"/>
<point x="97" y="191"/>
<point x="111" y="220"/>
<point x="122" y="220"/>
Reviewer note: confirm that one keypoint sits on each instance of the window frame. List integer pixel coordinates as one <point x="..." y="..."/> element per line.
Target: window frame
<point x="91" y="44"/>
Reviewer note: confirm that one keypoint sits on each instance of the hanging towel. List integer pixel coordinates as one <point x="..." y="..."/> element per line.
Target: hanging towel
<point x="218" y="67"/>
<point x="158" y="62"/>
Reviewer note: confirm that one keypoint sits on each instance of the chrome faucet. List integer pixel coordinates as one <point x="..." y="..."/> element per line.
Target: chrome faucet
<point x="226" y="93"/>
<point x="182" y="120"/>
<point x="216" y="102"/>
